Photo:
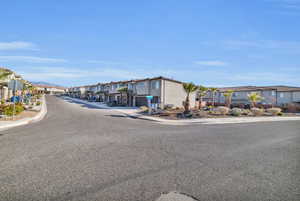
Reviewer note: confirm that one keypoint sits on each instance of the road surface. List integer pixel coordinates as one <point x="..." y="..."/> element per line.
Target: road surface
<point x="83" y="153"/>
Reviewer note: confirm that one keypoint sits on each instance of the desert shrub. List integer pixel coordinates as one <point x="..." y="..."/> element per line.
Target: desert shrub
<point x="274" y="110"/>
<point x="9" y="109"/>
<point x="246" y="112"/>
<point x="169" y="107"/>
<point x="236" y="111"/>
<point x="144" y="108"/>
<point x="257" y="111"/>
<point x="222" y="110"/>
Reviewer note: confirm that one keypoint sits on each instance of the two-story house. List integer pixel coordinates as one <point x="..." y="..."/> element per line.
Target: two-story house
<point x="271" y="95"/>
<point x="165" y="91"/>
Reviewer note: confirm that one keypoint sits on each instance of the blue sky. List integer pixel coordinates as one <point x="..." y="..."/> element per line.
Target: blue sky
<point x="209" y="42"/>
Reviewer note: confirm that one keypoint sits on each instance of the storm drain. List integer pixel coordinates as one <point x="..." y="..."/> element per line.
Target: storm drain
<point x="175" y="196"/>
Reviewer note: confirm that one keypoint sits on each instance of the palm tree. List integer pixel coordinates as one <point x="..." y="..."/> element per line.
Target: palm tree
<point x="213" y="91"/>
<point x="254" y="97"/>
<point x="228" y="96"/>
<point x="121" y="91"/>
<point x="188" y="88"/>
<point x="201" y="93"/>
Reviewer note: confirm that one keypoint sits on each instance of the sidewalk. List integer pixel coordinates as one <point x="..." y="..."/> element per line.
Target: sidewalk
<point x="134" y="113"/>
<point x="4" y="125"/>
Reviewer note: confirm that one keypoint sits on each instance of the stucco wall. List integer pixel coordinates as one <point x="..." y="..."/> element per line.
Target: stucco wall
<point x="174" y="94"/>
<point x="296" y="96"/>
<point x="287" y="97"/>
<point x="142" y="88"/>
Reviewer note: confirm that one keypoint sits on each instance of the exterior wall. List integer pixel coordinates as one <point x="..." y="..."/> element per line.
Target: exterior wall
<point x="296" y="96"/>
<point x="284" y="97"/>
<point x="269" y="97"/>
<point x="241" y="96"/>
<point x="173" y="93"/>
<point x="142" y="88"/>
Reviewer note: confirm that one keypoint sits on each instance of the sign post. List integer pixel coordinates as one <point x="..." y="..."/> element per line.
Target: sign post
<point x="149" y="98"/>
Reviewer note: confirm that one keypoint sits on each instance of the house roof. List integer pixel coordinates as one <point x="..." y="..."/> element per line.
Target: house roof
<point x="260" y="88"/>
<point x="134" y="80"/>
<point x="145" y="79"/>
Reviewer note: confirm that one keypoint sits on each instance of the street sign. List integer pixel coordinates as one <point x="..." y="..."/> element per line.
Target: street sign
<point x="15" y="85"/>
<point x="149" y="97"/>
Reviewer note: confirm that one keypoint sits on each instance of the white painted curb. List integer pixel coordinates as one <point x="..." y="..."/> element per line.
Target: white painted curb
<point x="25" y="121"/>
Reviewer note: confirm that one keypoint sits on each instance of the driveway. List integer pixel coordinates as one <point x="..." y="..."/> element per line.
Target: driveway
<point x="78" y="152"/>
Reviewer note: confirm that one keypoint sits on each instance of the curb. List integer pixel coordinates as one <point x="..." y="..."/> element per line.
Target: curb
<point x="26" y="121"/>
<point x="209" y="121"/>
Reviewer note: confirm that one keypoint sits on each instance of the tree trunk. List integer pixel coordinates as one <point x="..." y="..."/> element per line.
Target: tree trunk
<point x="187" y="105"/>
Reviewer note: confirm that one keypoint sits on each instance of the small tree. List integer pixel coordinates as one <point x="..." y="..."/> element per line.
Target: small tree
<point x="202" y="91"/>
<point x="254" y="97"/>
<point x="213" y="91"/>
<point x="188" y="88"/>
<point x="228" y="97"/>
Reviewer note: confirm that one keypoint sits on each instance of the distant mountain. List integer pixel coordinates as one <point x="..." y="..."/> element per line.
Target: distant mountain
<point x="46" y="84"/>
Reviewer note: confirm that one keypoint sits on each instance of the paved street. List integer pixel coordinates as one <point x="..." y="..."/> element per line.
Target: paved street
<point x="81" y="153"/>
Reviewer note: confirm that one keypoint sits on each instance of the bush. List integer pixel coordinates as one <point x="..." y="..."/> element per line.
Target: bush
<point x="274" y="110"/>
<point x="9" y="109"/>
<point x="246" y="112"/>
<point x="38" y="103"/>
<point x="236" y="111"/>
<point x="169" y="107"/>
<point x="280" y="114"/>
<point x="222" y="110"/>
<point x="144" y="109"/>
<point x="257" y="111"/>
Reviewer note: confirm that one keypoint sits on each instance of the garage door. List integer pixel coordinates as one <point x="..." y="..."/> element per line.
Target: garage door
<point x="141" y="101"/>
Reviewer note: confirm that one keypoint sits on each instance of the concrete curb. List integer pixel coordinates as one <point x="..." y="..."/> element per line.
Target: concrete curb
<point x="229" y="120"/>
<point x="25" y="121"/>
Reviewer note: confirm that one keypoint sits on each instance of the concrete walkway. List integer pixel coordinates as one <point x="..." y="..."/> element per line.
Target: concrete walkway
<point x="4" y="125"/>
<point x="134" y="112"/>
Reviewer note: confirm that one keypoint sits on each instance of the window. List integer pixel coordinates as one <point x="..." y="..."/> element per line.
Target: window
<point x="281" y="95"/>
<point x="155" y="84"/>
<point x="273" y="93"/>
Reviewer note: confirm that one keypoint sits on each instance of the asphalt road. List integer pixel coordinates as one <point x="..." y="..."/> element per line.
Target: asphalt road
<point x="83" y="153"/>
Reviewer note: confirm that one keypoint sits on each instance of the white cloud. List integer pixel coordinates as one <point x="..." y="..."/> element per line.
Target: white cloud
<point x="211" y="63"/>
<point x="31" y="59"/>
<point x="17" y="45"/>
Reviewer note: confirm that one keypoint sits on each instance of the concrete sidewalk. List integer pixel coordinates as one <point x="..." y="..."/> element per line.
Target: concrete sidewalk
<point x="134" y="112"/>
<point x="4" y="125"/>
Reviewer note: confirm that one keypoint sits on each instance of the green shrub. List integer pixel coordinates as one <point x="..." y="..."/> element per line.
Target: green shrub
<point x="280" y="114"/>
<point x="38" y="103"/>
<point x="236" y="111"/>
<point x="9" y="110"/>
